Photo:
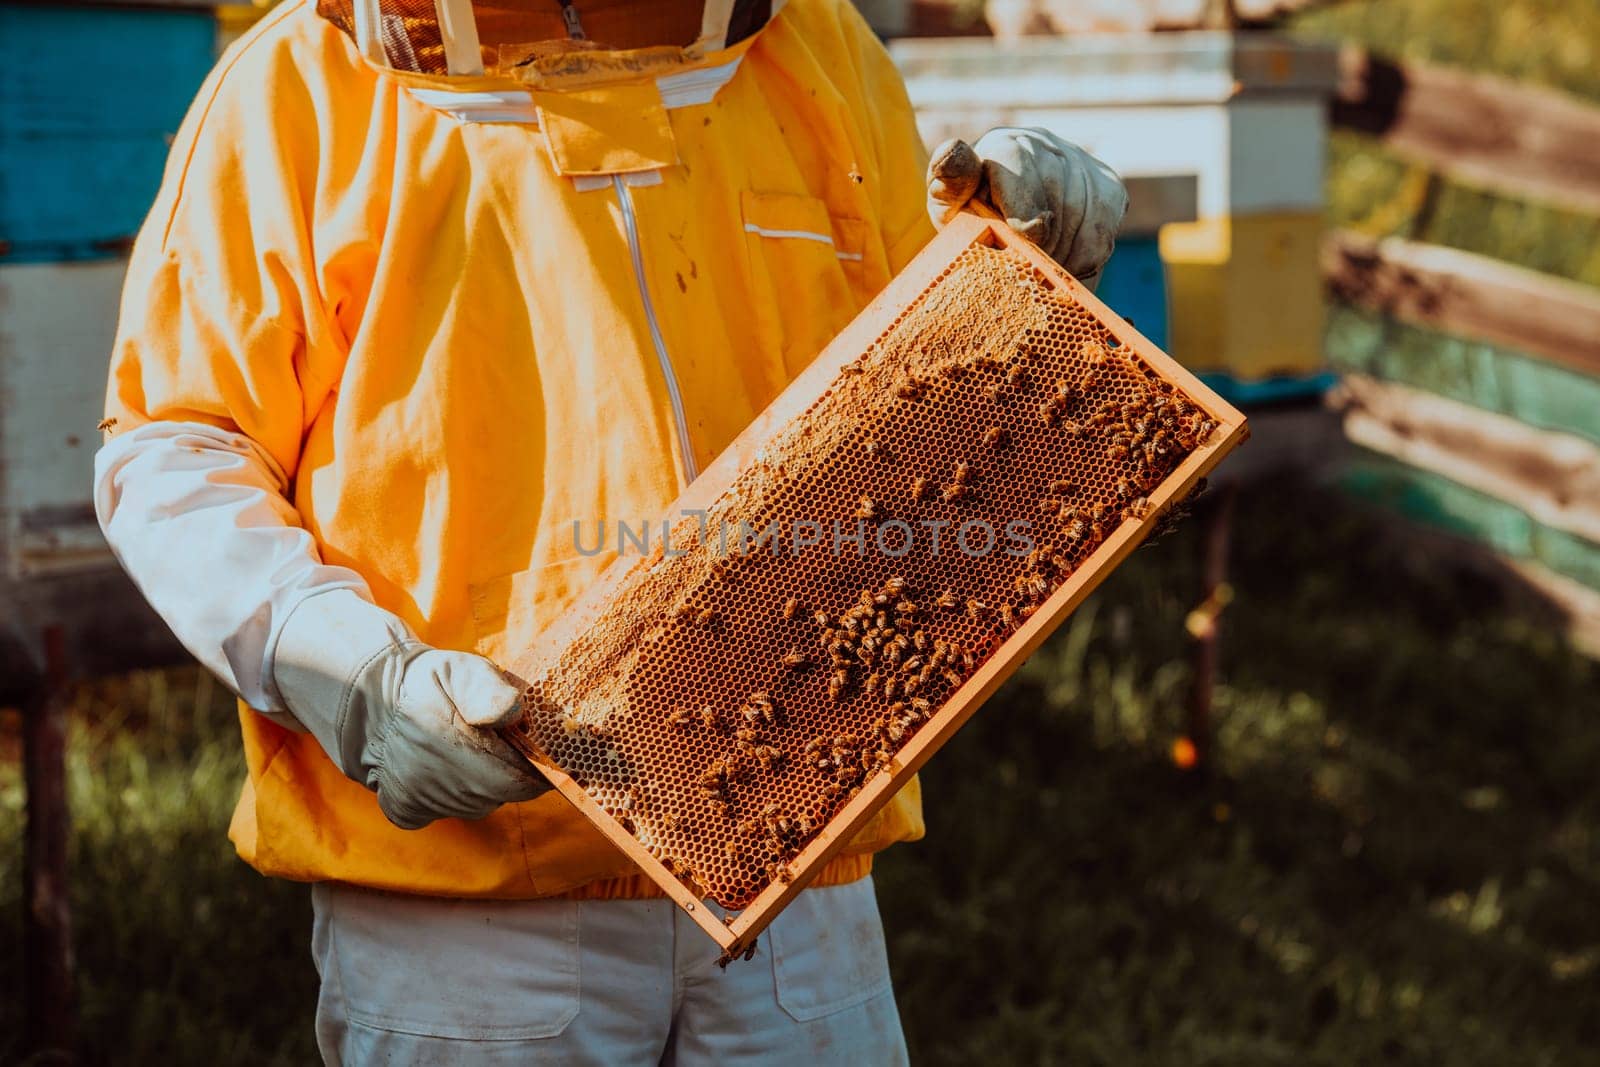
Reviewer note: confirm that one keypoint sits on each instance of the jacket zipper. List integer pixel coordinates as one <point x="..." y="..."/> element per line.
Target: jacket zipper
<point x="691" y="470"/>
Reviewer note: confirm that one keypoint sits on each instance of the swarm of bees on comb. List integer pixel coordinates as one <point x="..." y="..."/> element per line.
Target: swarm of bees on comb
<point x="746" y="697"/>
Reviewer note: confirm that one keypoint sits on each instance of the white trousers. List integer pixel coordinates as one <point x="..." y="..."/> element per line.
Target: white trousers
<point x="419" y="980"/>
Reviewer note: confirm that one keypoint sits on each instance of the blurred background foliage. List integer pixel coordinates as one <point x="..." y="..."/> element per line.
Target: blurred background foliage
<point x="1553" y="43"/>
<point x="1393" y="859"/>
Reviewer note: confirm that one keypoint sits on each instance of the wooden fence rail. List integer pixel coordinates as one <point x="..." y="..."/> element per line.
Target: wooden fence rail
<point x="1467" y="295"/>
<point x="1486" y="131"/>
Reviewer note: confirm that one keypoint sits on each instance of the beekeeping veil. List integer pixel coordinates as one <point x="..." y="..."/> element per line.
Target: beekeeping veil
<point x="518" y="37"/>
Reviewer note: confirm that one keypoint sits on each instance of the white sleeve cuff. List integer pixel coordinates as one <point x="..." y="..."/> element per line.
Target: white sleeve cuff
<point x="200" y="520"/>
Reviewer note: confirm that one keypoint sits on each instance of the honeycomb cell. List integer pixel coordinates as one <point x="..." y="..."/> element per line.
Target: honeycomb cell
<point x="730" y="700"/>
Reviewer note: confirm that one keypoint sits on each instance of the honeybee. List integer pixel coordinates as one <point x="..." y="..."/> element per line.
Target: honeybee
<point x="1096" y="354"/>
<point x="706" y="617"/>
<point x="710" y="717"/>
<point x="668" y="821"/>
<point x="872" y="684"/>
<point x="919" y="640"/>
<point x="1077" y="529"/>
<point x="680" y="717"/>
<point x="1063" y="487"/>
<point x="768" y="756"/>
<point x="947" y="600"/>
<point x="734" y="850"/>
<point x="952" y="678"/>
<point x="1051" y="410"/>
<point x="872" y="448"/>
<point x="797" y="661"/>
<point x="837" y="684"/>
<point x="1016" y="376"/>
<point x="1008" y="615"/>
<point x="890" y="688"/>
<point x="919" y="488"/>
<point x="1117" y="453"/>
<point x="821" y="618"/>
<point x="761" y="708"/>
<point x="1088" y="380"/>
<point x="915" y="663"/>
<point x="964" y="473"/>
<point x="896" y="586"/>
<point x="1050" y="505"/>
<point x="791" y="608"/>
<point x="910" y="389"/>
<point x="953" y="371"/>
<point x="911" y="686"/>
<point x="1125" y="489"/>
<point x="868" y="509"/>
<point x="977" y="610"/>
<point x="922" y="707"/>
<point x="954" y="492"/>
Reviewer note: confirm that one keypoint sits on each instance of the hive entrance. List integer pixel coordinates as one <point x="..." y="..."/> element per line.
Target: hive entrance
<point x="874" y="557"/>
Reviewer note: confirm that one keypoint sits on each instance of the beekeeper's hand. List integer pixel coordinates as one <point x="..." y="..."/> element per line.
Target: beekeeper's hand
<point x="1051" y="191"/>
<point x="409" y="722"/>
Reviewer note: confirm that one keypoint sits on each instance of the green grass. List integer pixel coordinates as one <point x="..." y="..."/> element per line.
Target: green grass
<point x="184" y="954"/>
<point x="1393" y="860"/>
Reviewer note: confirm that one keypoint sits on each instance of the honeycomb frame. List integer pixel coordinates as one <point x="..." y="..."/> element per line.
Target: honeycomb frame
<point x="548" y="666"/>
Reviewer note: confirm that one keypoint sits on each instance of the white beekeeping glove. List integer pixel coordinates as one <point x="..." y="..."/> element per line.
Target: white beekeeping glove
<point x="413" y="724"/>
<point x="1051" y="191"/>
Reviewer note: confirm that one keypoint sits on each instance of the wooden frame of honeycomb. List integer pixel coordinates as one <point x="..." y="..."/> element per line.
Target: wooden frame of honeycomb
<point x="730" y="717"/>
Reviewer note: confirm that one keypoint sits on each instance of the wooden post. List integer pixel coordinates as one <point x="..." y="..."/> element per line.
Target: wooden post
<point x="1204" y="622"/>
<point x="48" y="988"/>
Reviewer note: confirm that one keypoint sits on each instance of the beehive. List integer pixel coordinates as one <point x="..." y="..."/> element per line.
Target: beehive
<point x="860" y="570"/>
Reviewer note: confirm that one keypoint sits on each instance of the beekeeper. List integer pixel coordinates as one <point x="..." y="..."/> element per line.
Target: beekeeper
<point x="422" y="286"/>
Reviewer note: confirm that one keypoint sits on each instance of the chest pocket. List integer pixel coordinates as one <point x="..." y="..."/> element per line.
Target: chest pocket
<point x="810" y="272"/>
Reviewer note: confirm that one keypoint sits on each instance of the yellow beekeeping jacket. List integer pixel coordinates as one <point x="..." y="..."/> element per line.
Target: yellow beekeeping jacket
<point x="462" y="312"/>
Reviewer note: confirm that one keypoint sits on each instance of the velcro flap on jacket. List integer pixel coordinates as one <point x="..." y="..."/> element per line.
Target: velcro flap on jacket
<point x="607" y="129"/>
